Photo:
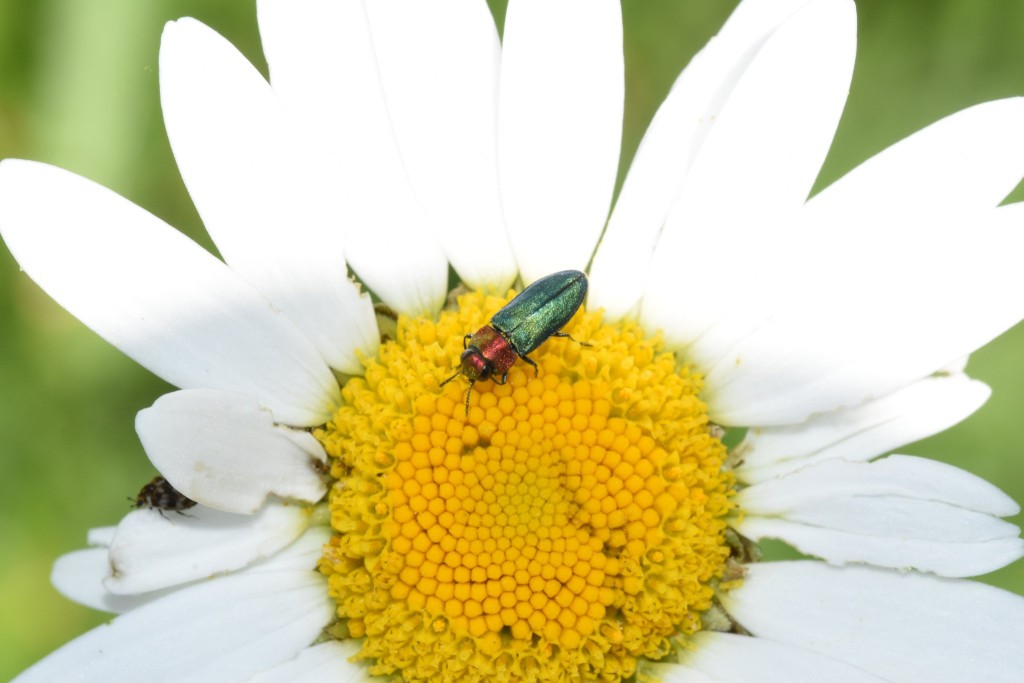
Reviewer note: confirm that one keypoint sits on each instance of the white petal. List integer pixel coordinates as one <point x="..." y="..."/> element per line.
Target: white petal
<point x="926" y="407"/>
<point x="941" y="557"/>
<point x="252" y="174"/>
<point x="323" y="69"/>
<point x="101" y="536"/>
<point x="882" y="304"/>
<point x="153" y="550"/>
<point x="79" y="576"/>
<point x="899" y="475"/>
<point x="439" y="64"/>
<point x="970" y="160"/>
<point x="304" y="553"/>
<point x="223" y="450"/>
<point x="753" y="18"/>
<point x="217" y="632"/>
<point x="659" y="169"/>
<point x="771" y="137"/>
<point x="1012" y="214"/>
<point x="901" y="512"/>
<point x="957" y="366"/>
<point x="904" y="627"/>
<point x="729" y="658"/>
<point x="323" y="663"/>
<point x="753" y="172"/>
<point x="559" y="128"/>
<point x="157" y="296"/>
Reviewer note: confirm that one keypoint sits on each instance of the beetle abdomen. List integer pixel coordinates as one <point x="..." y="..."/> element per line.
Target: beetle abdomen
<point x="541" y="309"/>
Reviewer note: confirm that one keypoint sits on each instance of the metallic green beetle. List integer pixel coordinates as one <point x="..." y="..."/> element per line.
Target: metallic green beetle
<point x="537" y="312"/>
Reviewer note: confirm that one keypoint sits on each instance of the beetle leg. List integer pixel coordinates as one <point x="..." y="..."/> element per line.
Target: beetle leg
<point x="465" y="340"/>
<point x="566" y="334"/>
<point x="536" y="370"/>
<point x="504" y="378"/>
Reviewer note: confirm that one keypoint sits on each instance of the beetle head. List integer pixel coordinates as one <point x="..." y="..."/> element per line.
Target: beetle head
<point x="474" y="365"/>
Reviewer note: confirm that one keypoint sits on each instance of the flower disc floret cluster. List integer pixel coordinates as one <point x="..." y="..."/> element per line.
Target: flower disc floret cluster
<point x="569" y="524"/>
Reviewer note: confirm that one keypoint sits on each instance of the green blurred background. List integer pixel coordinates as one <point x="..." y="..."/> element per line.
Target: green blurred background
<point x="79" y="88"/>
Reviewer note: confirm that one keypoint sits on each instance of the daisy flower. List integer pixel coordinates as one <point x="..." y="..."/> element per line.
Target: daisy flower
<point x="357" y="519"/>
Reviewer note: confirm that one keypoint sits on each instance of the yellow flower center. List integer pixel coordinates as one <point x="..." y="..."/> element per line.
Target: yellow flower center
<point x="571" y="523"/>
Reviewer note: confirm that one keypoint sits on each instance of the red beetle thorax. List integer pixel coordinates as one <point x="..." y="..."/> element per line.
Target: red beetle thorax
<point x="488" y="354"/>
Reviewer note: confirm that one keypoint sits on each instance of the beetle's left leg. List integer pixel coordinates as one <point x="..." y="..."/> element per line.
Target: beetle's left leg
<point x="536" y="370"/>
<point x="465" y="340"/>
<point x="570" y="337"/>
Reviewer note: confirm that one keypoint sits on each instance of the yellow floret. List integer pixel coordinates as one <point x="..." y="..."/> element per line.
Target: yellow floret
<point x="571" y="523"/>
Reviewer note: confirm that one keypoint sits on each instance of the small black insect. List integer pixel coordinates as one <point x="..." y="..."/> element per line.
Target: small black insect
<point x="160" y="495"/>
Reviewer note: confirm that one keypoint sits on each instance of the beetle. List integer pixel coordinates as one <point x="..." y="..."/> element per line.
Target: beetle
<point x="160" y="495"/>
<point x="523" y="324"/>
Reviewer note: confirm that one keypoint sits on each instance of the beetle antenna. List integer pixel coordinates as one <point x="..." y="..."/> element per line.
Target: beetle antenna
<point x="469" y="393"/>
<point x="457" y="373"/>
